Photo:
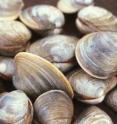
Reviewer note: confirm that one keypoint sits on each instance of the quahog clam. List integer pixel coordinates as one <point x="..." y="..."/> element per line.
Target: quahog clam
<point x="96" y="53"/>
<point x="13" y="37"/>
<point x="58" y="49"/>
<point x="15" y="108"/>
<point x="54" y="107"/>
<point x="72" y="6"/>
<point x="88" y="89"/>
<point x="35" y="75"/>
<point x="44" y="19"/>
<point x="111" y="99"/>
<point x="93" y="115"/>
<point x="93" y="19"/>
<point x="10" y="10"/>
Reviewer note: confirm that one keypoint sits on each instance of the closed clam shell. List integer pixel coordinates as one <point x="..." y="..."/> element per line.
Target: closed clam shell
<point x="96" y="53"/>
<point x="35" y="75"/>
<point x="45" y="19"/>
<point x="54" y="107"/>
<point x="111" y="99"/>
<point x="93" y="115"/>
<point x="99" y="19"/>
<point x="58" y="49"/>
<point x="10" y="10"/>
<point x="13" y="37"/>
<point x="72" y="6"/>
<point x="90" y="90"/>
<point x="15" y="108"/>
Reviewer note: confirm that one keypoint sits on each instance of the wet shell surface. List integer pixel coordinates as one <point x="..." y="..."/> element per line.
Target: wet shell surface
<point x="13" y="37"/>
<point x="54" y="107"/>
<point x="10" y="10"/>
<point x="72" y="6"/>
<point x="99" y="19"/>
<point x="90" y="90"/>
<point x="45" y="19"/>
<point x="15" y="108"/>
<point x="35" y="75"/>
<point x="94" y="115"/>
<point x="58" y="49"/>
<point x="96" y="53"/>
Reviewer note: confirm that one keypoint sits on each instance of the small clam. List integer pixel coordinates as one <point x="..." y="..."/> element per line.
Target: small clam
<point x="96" y="53"/>
<point x="93" y="115"/>
<point x="15" y="108"/>
<point x="10" y="10"/>
<point x="72" y="6"/>
<point x="13" y="37"/>
<point x="35" y="75"/>
<point x="93" y="19"/>
<point x="44" y="19"/>
<point x="54" y="107"/>
<point x="88" y="89"/>
<point x="7" y="67"/>
<point x="58" y="49"/>
<point x="111" y="99"/>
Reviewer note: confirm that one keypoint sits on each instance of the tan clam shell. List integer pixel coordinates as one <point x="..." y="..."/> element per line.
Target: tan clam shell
<point x="111" y="99"/>
<point x="93" y="115"/>
<point x="72" y="6"/>
<point x="35" y="75"/>
<point x="54" y="107"/>
<point x="45" y="19"/>
<point x="96" y="53"/>
<point x="15" y="108"/>
<point x="93" y="19"/>
<point x="88" y="89"/>
<point x="10" y="9"/>
<point x="58" y="49"/>
<point x="13" y="37"/>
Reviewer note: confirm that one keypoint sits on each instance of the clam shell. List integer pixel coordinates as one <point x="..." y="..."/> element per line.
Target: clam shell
<point x="54" y="107"/>
<point x="99" y="19"/>
<point x="15" y="108"/>
<point x="13" y="37"/>
<point x="10" y="10"/>
<point x="94" y="115"/>
<point x="35" y="75"/>
<point x="72" y="6"/>
<point x="45" y="19"/>
<point x="58" y="49"/>
<point x="111" y="99"/>
<point x="90" y="90"/>
<point x="96" y="53"/>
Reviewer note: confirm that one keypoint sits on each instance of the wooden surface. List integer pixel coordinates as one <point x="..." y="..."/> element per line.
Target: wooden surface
<point x="70" y="28"/>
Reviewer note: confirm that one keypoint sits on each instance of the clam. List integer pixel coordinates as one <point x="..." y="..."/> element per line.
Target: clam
<point x="96" y="53"/>
<point x="13" y="37"/>
<point x="93" y="115"/>
<point x="44" y="19"/>
<point x="93" y="19"/>
<point x="35" y="75"/>
<point x="72" y="6"/>
<point x="15" y="108"/>
<point x="10" y="10"/>
<point x="54" y="107"/>
<point x="58" y="49"/>
<point x="88" y="89"/>
<point x="7" y="67"/>
<point x="111" y="99"/>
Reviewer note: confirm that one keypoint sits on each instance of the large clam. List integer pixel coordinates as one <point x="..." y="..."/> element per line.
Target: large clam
<point x="45" y="19"/>
<point x="96" y="53"/>
<point x="35" y="75"/>
<point x="58" y="49"/>
<point x="54" y="107"/>
<point x="88" y="89"/>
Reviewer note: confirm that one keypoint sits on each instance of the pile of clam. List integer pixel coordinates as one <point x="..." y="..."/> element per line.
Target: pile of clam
<point x="40" y="78"/>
